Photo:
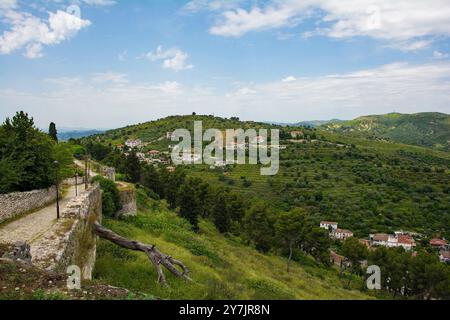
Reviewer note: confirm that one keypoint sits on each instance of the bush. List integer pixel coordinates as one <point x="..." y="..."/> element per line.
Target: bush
<point x="110" y="196"/>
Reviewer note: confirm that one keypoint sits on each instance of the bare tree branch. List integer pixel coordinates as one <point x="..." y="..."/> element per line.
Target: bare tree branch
<point x="156" y="257"/>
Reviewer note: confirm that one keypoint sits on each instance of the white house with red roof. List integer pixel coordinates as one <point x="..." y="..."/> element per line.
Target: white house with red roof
<point x="438" y="243"/>
<point x="335" y="232"/>
<point x="392" y="241"/>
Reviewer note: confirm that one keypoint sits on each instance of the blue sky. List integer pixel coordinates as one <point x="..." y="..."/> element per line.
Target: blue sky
<point x="105" y="63"/>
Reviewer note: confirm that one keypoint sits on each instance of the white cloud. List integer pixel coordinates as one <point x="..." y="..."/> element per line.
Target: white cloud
<point x="289" y="79"/>
<point x="111" y="77"/>
<point x="440" y="55"/>
<point x="8" y="4"/>
<point x="211" y="5"/>
<point x="407" y="24"/>
<point x="173" y="59"/>
<point x="123" y="56"/>
<point x="168" y="87"/>
<point x="401" y="87"/>
<point x="66" y="82"/>
<point x="32" y="33"/>
<point x="99" y="2"/>
<point x="34" y="51"/>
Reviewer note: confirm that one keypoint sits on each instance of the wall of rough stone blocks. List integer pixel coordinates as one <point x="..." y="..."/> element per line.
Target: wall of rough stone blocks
<point x="71" y="240"/>
<point x="71" y="181"/>
<point x="127" y="194"/>
<point x="13" y="205"/>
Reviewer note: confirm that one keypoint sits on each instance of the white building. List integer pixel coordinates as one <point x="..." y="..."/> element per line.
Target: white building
<point x="133" y="143"/>
<point x="328" y="224"/>
<point x="392" y="241"/>
<point x="141" y="156"/>
<point x="341" y="234"/>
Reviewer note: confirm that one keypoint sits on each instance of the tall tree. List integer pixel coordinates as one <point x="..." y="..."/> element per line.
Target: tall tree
<point x="317" y="243"/>
<point x="27" y="155"/>
<point x="52" y="132"/>
<point x="289" y="230"/>
<point x="133" y="168"/>
<point x="189" y="203"/>
<point x="258" y="226"/>
<point x="355" y="252"/>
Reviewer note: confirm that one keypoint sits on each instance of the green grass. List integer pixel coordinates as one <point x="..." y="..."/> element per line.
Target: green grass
<point x="221" y="267"/>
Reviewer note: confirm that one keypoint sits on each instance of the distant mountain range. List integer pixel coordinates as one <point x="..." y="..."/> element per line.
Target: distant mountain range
<point x="316" y="123"/>
<point x="65" y="135"/>
<point x="311" y="124"/>
<point x="428" y="129"/>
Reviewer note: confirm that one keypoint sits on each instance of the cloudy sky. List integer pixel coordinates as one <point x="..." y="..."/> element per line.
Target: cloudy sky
<point x="108" y="63"/>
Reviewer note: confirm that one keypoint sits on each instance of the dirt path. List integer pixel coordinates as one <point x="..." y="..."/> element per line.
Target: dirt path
<point x="31" y="227"/>
<point x="81" y="165"/>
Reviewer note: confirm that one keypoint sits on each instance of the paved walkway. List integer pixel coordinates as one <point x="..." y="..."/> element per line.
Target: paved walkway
<point x="33" y="226"/>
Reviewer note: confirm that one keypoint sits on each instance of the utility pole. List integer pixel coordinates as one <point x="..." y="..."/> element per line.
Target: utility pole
<point x="56" y="163"/>
<point x="89" y="168"/>
<point x="76" y="183"/>
<point x="86" y="175"/>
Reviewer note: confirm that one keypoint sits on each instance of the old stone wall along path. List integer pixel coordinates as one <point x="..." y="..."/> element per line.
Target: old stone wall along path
<point x="33" y="226"/>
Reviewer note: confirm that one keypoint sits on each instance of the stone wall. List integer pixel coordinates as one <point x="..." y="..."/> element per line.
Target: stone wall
<point x="15" y="204"/>
<point x="71" y="181"/>
<point x="107" y="172"/>
<point x="71" y="240"/>
<point x="128" y="200"/>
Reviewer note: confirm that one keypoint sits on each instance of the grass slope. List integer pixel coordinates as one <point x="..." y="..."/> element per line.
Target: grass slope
<point x="222" y="267"/>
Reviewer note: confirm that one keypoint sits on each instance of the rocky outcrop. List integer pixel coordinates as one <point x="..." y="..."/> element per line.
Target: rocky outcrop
<point x="13" y="205"/>
<point x="19" y="251"/>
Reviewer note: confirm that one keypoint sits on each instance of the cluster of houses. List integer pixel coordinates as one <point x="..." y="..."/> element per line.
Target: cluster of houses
<point x="443" y="247"/>
<point x="133" y="143"/>
<point x="150" y="157"/>
<point x="398" y="239"/>
<point x="335" y="232"/>
<point x="158" y="157"/>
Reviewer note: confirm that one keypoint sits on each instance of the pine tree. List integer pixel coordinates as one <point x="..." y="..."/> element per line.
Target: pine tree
<point x="133" y="167"/>
<point x="52" y="132"/>
<point x="189" y="204"/>
<point x="290" y="229"/>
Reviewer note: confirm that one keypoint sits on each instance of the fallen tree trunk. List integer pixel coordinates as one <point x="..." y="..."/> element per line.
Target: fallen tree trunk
<point x="156" y="257"/>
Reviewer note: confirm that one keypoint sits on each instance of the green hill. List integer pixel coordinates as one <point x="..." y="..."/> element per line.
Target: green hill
<point x="366" y="185"/>
<point x="221" y="267"/>
<point x="422" y="129"/>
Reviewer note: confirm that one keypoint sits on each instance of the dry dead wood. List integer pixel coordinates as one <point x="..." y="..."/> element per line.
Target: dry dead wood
<point x="157" y="258"/>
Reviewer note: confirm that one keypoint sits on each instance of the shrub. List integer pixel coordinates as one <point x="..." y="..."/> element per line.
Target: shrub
<point x="110" y="196"/>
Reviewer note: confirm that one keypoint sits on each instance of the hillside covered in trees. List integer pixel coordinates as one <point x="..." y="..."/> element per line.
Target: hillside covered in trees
<point x="429" y="129"/>
<point x="247" y="236"/>
<point x="368" y="186"/>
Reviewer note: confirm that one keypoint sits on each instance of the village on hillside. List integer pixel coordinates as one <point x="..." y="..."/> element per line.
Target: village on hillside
<point x="403" y="239"/>
<point x="400" y="239"/>
<point x="157" y="157"/>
